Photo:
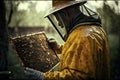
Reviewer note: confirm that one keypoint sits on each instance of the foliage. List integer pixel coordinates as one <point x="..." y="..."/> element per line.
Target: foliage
<point x="22" y="17"/>
<point x="111" y="24"/>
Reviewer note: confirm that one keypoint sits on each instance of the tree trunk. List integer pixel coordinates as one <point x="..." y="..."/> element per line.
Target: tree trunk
<point x="4" y="43"/>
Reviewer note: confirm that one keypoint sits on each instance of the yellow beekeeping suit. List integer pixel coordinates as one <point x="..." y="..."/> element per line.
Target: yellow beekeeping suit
<point x="85" y="56"/>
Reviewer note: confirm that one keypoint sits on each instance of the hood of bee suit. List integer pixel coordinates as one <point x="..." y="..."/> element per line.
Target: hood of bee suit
<point x="58" y="5"/>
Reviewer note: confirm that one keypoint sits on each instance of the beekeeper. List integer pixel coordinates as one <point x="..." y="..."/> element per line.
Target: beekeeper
<point x="85" y="53"/>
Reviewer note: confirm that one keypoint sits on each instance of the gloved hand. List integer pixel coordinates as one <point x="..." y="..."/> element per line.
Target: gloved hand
<point x="34" y="74"/>
<point x="53" y="44"/>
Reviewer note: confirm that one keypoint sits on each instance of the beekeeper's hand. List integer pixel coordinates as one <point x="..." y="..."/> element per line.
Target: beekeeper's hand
<point x="53" y="43"/>
<point x="34" y="74"/>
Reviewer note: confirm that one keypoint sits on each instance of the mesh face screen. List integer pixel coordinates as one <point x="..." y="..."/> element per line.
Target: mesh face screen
<point x="34" y="51"/>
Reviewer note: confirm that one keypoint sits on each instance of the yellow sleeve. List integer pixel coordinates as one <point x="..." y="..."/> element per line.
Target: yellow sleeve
<point x="66" y="74"/>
